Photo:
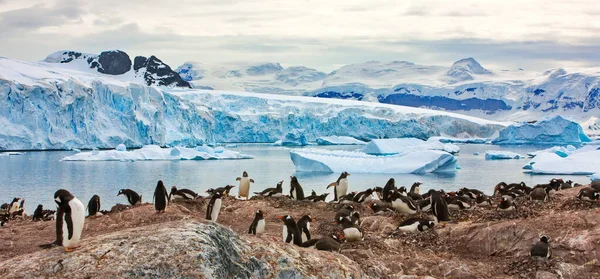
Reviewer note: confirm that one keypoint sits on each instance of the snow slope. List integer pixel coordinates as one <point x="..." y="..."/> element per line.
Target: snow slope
<point x="45" y="105"/>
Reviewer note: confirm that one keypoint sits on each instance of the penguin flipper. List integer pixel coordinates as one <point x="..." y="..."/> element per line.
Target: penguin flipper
<point x="332" y="184"/>
<point x="69" y="220"/>
<point x="289" y="238"/>
<point x="238" y="179"/>
<point x="251" y="180"/>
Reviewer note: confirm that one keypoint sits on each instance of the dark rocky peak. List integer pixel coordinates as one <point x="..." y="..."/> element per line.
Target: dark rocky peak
<point x="155" y="72"/>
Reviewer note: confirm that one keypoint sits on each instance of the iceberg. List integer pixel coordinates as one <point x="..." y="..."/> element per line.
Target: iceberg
<point x="595" y="176"/>
<point x="554" y="130"/>
<point x="319" y="160"/>
<point x="293" y="138"/>
<point x="339" y="140"/>
<point x="462" y="140"/>
<point x="156" y="153"/>
<point x="406" y="145"/>
<point x="502" y="155"/>
<point x="12" y="153"/>
<point x="562" y="151"/>
<point x="578" y="163"/>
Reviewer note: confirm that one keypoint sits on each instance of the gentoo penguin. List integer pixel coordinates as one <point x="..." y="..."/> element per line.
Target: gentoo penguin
<point x="402" y="191"/>
<point x="329" y="243"/>
<point x="4" y="207"/>
<point x="340" y="186"/>
<point x="595" y="185"/>
<point x="541" y="250"/>
<point x="16" y="206"/>
<point x="567" y="185"/>
<point x="439" y="207"/>
<point x="507" y="194"/>
<point x="355" y="218"/>
<point x="344" y="212"/>
<point x="538" y="194"/>
<point x="4" y="217"/>
<point x="290" y="230"/>
<point x="296" y="192"/>
<point x="321" y="197"/>
<point x="364" y="196"/>
<point x="185" y="194"/>
<point x="389" y="186"/>
<point x="380" y="208"/>
<point x="132" y="197"/>
<point x="223" y="190"/>
<point x="161" y="197"/>
<point x="351" y="233"/>
<point x="588" y="194"/>
<point x="506" y="205"/>
<point x="272" y="192"/>
<point x="403" y="204"/>
<point x="304" y="227"/>
<point x="258" y="225"/>
<point x="214" y="206"/>
<point x="483" y="200"/>
<point x="94" y="206"/>
<point x="471" y="193"/>
<point x="244" y="189"/>
<point x="40" y="214"/>
<point x="425" y="205"/>
<point x="348" y="198"/>
<point x="379" y="192"/>
<point x="415" y="191"/>
<point x="415" y="225"/>
<point x="458" y="202"/>
<point x="313" y="195"/>
<point x="551" y="187"/>
<point x="70" y="219"/>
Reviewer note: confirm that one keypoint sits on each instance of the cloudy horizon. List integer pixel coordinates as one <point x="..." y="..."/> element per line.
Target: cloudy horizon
<point x="534" y="35"/>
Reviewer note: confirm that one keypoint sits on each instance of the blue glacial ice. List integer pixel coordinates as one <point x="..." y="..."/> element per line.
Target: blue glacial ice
<point x="406" y="145"/>
<point x="502" y="155"/>
<point x="562" y="151"/>
<point x="156" y="153"/>
<point x="595" y="176"/>
<point x="339" y="140"/>
<point x="319" y="160"/>
<point x="555" y="130"/>
<point x="295" y="137"/>
<point x="583" y="161"/>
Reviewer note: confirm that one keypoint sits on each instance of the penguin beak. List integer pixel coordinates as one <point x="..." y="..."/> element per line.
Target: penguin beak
<point x="280" y="217"/>
<point x="336" y="222"/>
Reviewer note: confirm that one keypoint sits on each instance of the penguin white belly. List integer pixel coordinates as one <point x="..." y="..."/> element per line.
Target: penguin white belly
<point x="278" y="195"/>
<point x="244" y="187"/>
<point x="402" y="207"/>
<point x="78" y="218"/>
<point x="260" y="226"/>
<point x="414" y="227"/>
<point x="427" y="208"/>
<point x="586" y="198"/>
<point x="342" y="187"/>
<point x="176" y="197"/>
<point x="304" y="237"/>
<point x="215" y="212"/>
<point x="511" y="208"/>
<point x="189" y="196"/>
<point x="352" y="234"/>
<point x="285" y="233"/>
<point x="14" y="208"/>
<point x="453" y="206"/>
<point x="368" y="198"/>
<point x="294" y="194"/>
<point x="417" y="190"/>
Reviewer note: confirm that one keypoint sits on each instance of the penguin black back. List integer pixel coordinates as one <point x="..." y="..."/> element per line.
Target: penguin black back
<point x="293" y="234"/>
<point x="257" y="217"/>
<point x="439" y="206"/>
<point x="38" y="213"/>
<point x="132" y="197"/>
<point x="94" y="205"/>
<point x="303" y="225"/>
<point x="541" y="250"/>
<point x="215" y="201"/>
<point x="389" y="186"/>
<point x="62" y="198"/>
<point x="161" y="197"/>
<point x="296" y="191"/>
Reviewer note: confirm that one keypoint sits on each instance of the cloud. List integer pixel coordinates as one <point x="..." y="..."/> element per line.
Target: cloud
<point x="42" y="15"/>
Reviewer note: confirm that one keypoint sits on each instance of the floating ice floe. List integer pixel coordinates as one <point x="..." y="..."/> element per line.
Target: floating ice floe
<point x="555" y="130"/>
<point x="318" y="160"/>
<point x="562" y="151"/>
<point x="11" y="153"/>
<point x="406" y="145"/>
<point x="156" y="153"/>
<point x="293" y="138"/>
<point x="584" y="162"/>
<point x="339" y="140"/>
<point x="461" y="140"/>
<point x="502" y="155"/>
<point x="595" y="176"/>
<point x="121" y="147"/>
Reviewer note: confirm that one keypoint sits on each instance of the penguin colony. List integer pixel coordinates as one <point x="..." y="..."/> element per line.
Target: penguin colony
<point x="70" y="212"/>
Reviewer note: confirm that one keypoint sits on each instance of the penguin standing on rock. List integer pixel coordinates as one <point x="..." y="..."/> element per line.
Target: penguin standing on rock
<point x="541" y="250"/>
<point x="272" y="192"/>
<point x="17" y="207"/>
<point x="290" y="230"/>
<point x="258" y="225"/>
<point x="340" y="186"/>
<point x="69" y="221"/>
<point x="161" y="197"/>
<point x="132" y="197"/>
<point x="439" y="207"/>
<point x="304" y="227"/>
<point x="296" y="192"/>
<point x="94" y="206"/>
<point x="244" y="188"/>
<point x="389" y="186"/>
<point x="214" y="207"/>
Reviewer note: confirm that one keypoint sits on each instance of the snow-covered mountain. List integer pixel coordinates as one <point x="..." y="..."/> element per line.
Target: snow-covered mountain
<point x="80" y="104"/>
<point x="465" y="86"/>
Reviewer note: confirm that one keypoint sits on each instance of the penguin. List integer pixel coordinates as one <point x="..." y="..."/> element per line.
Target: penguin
<point x="458" y="202"/>
<point x="132" y="197"/>
<point x="425" y="205"/>
<point x="364" y="196"/>
<point x="595" y="185"/>
<point x="538" y="194"/>
<point x="344" y="212"/>
<point x="402" y="191"/>
<point x="161" y="197"/>
<point x="567" y="185"/>
<point x="16" y="206"/>
<point x="415" y="191"/>
<point x="415" y="225"/>
<point x="380" y="208"/>
<point x="4" y="208"/>
<point x="403" y="204"/>
<point x="185" y="194"/>
<point x="541" y="250"/>
<point x="304" y="227"/>
<point x="223" y="190"/>
<point x="439" y="207"/>
<point x="296" y="192"/>
<point x="483" y="200"/>
<point x="379" y="192"/>
<point x="272" y="192"/>
<point x="507" y="194"/>
<point x="551" y="187"/>
<point x="313" y="195"/>
<point x="348" y="198"/>
<point x="41" y="214"/>
<point x="471" y="193"/>
<point x="389" y="186"/>
<point x="258" y="224"/>
<point x="355" y="218"/>
<point x="506" y="205"/>
<point x="588" y="194"/>
<point x="329" y="243"/>
<point x="290" y="230"/>
<point x="340" y="186"/>
<point x="321" y="197"/>
<point x="351" y="233"/>
<point x="244" y="189"/>
<point x="214" y="206"/>
<point x="4" y="217"/>
<point x="70" y="219"/>
<point x="94" y="206"/>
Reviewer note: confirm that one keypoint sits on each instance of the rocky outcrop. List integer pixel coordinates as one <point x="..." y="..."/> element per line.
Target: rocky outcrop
<point x="155" y="72"/>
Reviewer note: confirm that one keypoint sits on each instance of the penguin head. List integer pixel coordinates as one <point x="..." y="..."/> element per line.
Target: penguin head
<point x="229" y="187"/>
<point x="260" y="213"/>
<point x="596" y="195"/>
<point x="173" y="189"/>
<point x="402" y="190"/>
<point x="377" y="189"/>
<point x="62" y="197"/>
<point x="245" y="174"/>
<point x="279" y="184"/>
<point x="160" y="183"/>
<point x="293" y="179"/>
<point x="40" y="207"/>
<point x="391" y="182"/>
<point x="121" y="192"/>
<point x="349" y="207"/>
<point x="369" y="191"/>
<point x="544" y="238"/>
<point x="344" y="175"/>
<point x="313" y="193"/>
<point x="210" y="191"/>
<point x="218" y="195"/>
<point x="356" y="214"/>
<point x="287" y="219"/>
<point x="431" y="224"/>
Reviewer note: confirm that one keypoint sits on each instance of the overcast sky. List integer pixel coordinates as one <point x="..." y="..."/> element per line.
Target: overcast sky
<point x="324" y="34"/>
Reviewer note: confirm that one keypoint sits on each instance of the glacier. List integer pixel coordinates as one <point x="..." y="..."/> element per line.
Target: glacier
<point x="337" y="140"/>
<point x="293" y="138"/>
<point x="406" y="145"/>
<point x="502" y="155"/>
<point x="45" y="105"/>
<point x="156" y="153"/>
<point x="551" y="130"/>
<point x="319" y="160"/>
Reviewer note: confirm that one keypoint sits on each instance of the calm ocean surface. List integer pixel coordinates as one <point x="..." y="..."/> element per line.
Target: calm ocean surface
<point x="35" y="176"/>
